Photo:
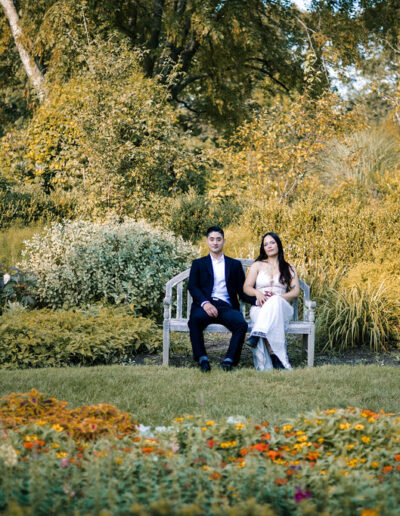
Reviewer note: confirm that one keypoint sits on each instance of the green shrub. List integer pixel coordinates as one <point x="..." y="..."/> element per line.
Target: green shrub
<point x="83" y="262"/>
<point x="18" y="289"/>
<point x="97" y="335"/>
<point x="191" y="214"/>
<point x="28" y="205"/>
<point x="358" y="316"/>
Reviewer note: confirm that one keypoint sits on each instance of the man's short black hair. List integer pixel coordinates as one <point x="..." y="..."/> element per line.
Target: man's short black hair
<point x="215" y="228"/>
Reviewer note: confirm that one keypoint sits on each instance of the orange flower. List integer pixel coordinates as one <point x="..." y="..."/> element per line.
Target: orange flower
<point x="273" y="454"/>
<point x="397" y="457"/>
<point x="387" y="469"/>
<point x="29" y="445"/>
<point x="281" y="481"/>
<point x="215" y="476"/>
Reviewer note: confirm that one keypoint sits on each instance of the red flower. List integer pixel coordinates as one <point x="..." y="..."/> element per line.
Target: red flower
<point x="211" y="443"/>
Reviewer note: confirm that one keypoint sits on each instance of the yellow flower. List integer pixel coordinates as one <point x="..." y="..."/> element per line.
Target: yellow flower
<point x="369" y="512"/>
<point x="365" y="439"/>
<point x="330" y="411"/>
<point x="206" y="468"/>
<point x="344" y="473"/>
<point x="323" y="472"/>
<point x="302" y="438"/>
<point x="57" y="427"/>
<point x="61" y="455"/>
<point x="40" y="423"/>
<point x="30" y="438"/>
<point x="371" y="420"/>
<point x="55" y="445"/>
<point x="374" y="464"/>
<point x="321" y="440"/>
<point x="179" y="419"/>
<point x="344" y="426"/>
<point x="240" y="426"/>
<point x="286" y="428"/>
<point x="118" y="460"/>
<point x="352" y="463"/>
<point x="318" y="421"/>
<point x="241" y="464"/>
<point x="228" y="444"/>
<point x="203" y="428"/>
<point x="300" y="432"/>
<point x="210" y="423"/>
<point x="351" y="446"/>
<point x="359" y="427"/>
<point x="363" y="459"/>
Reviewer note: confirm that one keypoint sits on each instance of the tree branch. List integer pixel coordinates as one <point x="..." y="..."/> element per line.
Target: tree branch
<point x="32" y="70"/>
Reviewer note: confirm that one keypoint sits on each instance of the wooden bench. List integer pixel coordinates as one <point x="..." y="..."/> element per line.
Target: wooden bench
<point x="178" y="300"/>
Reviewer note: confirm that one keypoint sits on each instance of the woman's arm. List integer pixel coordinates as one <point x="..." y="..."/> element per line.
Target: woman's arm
<point x="294" y="287"/>
<point x="248" y="287"/>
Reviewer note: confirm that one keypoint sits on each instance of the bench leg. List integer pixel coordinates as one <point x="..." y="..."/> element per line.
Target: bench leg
<point x="166" y="342"/>
<point x="311" y="348"/>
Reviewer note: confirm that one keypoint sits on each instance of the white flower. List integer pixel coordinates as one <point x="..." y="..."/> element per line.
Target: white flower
<point x="8" y="455"/>
<point x="6" y="278"/>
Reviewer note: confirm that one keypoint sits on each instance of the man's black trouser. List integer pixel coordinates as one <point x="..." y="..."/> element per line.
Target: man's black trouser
<point x="229" y="317"/>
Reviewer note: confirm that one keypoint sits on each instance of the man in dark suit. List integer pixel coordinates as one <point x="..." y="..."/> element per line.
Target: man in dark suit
<point x="215" y="282"/>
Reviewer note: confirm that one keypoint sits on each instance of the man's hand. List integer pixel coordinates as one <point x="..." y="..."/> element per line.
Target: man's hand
<point x="210" y="309"/>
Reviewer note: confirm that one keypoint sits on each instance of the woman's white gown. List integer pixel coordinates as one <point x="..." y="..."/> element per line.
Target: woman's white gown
<point x="270" y="321"/>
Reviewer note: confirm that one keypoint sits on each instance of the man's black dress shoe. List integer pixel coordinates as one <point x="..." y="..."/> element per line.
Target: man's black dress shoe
<point x="205" y="366"/>
<point x="226" y="365"/>
<point x="277" y="364"/>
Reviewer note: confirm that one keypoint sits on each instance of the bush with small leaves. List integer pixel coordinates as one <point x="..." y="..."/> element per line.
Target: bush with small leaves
<point x="91" y="336"/>
<point x="117" y="262"/>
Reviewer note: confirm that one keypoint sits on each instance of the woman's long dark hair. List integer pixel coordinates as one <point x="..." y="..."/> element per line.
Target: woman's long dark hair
<point x="284" y="267"/>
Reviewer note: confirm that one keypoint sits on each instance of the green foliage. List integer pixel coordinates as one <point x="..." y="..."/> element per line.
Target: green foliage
<point x="191" y="214"/>
<point x="19" y="288"/>
<point x="80" y="262"/>
<point x="95" y="335"/>
<point x="320" y="462"/>
<point x="358" y="317"/>
<point x="107" y="134"/>
<point x="30" y="205"/>
<point x="273" y="156"/>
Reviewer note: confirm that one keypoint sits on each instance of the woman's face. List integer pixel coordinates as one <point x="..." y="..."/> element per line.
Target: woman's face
<point x="270" y="246"/>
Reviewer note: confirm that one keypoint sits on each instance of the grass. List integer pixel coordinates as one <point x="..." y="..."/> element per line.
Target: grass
<point x="12" y="242"/>
<point x="155" y="395"/>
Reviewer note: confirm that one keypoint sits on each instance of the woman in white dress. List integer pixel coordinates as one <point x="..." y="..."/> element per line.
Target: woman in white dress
<point x="274" y="282"/>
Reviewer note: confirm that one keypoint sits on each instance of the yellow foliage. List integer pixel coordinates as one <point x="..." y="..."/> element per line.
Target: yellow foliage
<point x="273" y="155"/>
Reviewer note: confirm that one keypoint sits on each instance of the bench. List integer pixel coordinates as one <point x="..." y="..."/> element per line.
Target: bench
<point x="178" y="300"/>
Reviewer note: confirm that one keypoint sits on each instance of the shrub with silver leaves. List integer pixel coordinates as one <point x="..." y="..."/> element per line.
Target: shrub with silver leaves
<point x="79" y="262"/>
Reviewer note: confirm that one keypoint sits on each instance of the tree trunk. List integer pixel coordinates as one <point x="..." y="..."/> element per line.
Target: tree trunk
<point x="32" y="70"/>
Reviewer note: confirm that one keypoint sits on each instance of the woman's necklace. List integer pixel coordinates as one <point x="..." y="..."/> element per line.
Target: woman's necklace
<point x="271" y="269"/>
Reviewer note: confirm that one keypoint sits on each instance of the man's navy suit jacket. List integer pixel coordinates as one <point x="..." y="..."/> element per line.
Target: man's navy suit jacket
<point x="201" y="281"/>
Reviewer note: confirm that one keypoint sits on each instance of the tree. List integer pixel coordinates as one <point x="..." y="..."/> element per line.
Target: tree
<point x="108" y="135"/>
<point x="32" y="70"/>
<point x="210" y="54"/>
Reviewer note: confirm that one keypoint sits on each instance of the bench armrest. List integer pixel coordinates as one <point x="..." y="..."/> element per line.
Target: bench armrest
<point x="309" y="312"/>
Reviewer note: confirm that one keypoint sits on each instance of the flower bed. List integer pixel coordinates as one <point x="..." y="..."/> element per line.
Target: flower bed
<point x="96" y="458"/>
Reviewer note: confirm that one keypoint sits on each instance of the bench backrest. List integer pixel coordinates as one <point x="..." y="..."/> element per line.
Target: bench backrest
<point x="181" y="300"/>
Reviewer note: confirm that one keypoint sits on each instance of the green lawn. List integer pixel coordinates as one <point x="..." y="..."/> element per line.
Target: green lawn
<point x="155" y="394"/>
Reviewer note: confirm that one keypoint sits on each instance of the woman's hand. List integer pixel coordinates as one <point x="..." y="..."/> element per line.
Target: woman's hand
<point x="262" y="297"/>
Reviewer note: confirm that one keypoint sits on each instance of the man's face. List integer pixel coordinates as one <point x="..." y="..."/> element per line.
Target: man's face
<point x="215" y="242"/>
